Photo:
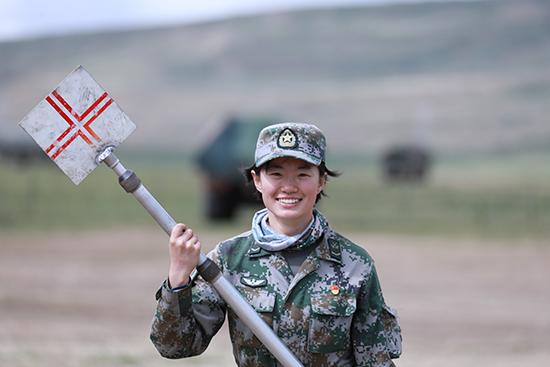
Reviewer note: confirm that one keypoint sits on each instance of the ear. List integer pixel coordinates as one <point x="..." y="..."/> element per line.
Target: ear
<point x="322" y="183"/>
<point x="257" y="180"/>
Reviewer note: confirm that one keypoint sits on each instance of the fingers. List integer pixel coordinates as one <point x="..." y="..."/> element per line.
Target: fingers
<point x="182" y="236"/>
<point x="184" y="250"/>
<point x="187" y="235"/>
<point x="177" y="231"/>
<point x="193" y="240"/>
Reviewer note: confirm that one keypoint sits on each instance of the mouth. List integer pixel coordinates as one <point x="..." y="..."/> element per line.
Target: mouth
<point x="288" y="201"/>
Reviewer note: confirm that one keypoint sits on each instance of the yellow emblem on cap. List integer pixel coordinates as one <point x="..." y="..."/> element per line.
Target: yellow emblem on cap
<point x="287" y="139"/>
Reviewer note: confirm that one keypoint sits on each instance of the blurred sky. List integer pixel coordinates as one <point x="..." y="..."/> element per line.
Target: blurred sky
<point x="36" y="18"/>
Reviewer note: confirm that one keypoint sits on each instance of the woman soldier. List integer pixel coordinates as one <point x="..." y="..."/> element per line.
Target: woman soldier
<point x="316" y="289"/>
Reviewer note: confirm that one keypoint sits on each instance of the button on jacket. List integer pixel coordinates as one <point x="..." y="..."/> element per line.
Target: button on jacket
<point x="331" y="313"/>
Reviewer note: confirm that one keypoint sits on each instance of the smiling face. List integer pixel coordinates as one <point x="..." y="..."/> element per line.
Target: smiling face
<point x="289" y="187"/>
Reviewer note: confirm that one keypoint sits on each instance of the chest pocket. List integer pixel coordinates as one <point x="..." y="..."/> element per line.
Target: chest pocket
<point x="263" y="302"/>
<point x="330" y="325"/>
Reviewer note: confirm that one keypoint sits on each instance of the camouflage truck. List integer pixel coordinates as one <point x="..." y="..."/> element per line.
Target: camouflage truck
<point x="21" y="152"/>
<point x="406" y="163"/>
<point x="222" y="161"/>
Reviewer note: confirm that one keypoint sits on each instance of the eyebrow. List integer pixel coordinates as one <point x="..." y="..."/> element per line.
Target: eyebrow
<point x="305" y="165"/>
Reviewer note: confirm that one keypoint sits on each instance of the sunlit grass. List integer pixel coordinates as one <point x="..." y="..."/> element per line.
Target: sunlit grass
<point x="502" y="197"/>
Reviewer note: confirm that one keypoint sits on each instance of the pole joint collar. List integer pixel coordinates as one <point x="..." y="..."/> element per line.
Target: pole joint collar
<point x="129" y="181"/>
<point x="208" y="270"/>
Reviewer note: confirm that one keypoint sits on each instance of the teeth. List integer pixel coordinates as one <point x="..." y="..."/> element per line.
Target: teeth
<point x="288" y="201"/>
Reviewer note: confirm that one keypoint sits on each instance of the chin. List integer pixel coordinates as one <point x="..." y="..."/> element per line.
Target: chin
<point x="290" y="214"/>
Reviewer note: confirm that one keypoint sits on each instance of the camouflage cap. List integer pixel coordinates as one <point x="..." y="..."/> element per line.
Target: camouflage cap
<point x="290" y="139"/>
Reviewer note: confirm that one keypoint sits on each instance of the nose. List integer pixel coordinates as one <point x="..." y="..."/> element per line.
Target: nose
<point x="289" y="186"/>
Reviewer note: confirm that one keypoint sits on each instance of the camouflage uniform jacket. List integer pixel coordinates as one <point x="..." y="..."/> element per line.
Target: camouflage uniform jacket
<point x="331" y="313"/>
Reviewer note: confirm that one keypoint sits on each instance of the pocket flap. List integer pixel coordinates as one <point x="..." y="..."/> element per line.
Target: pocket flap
<point x="333" y="305"/>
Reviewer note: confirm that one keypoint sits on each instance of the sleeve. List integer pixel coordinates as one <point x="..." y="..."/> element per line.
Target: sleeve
<point x="186" y="319"/>
<point x="376" y="334"/>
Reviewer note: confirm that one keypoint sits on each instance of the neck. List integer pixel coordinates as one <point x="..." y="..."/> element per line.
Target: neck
<point x="288" y="227"/>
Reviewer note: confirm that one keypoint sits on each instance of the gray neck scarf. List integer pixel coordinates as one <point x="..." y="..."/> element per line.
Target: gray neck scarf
<point x="270" y="240"/>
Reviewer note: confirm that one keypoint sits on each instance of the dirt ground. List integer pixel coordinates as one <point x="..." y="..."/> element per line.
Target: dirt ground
<point x="87" y="299"/>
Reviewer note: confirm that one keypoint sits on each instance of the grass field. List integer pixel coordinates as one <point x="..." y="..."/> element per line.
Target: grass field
<point x="504" y="196"/>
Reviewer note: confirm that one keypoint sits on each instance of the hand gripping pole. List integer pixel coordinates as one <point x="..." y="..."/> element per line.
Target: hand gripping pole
<point x="206" y="267"/>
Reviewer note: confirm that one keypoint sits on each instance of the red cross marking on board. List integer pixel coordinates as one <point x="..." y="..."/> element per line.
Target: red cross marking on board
<point x="79" y="122"/>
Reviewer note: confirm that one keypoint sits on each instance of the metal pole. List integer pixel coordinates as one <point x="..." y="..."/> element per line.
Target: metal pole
<point x="206" y="267"/>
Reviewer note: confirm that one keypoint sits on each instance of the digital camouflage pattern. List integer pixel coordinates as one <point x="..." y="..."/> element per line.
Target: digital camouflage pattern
<point x="290" y="139"/>
<point x="332" y="313"/>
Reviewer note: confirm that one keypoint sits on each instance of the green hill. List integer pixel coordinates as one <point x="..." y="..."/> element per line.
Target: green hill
<point x="460" y="77"/>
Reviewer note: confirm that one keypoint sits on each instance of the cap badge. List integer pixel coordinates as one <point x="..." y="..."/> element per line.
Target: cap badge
<point x="334" y="289"/>
<point x="287" y="139"/>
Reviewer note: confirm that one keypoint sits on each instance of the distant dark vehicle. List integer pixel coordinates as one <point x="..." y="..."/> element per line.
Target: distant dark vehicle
<point x="222" y="161"/>
<point x="21" y="152"/>
<point x="407" y="163"/>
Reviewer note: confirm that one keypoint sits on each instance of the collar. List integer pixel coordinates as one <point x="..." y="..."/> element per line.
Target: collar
<point x="256" y="251"/>
<point x="328" y="249"/>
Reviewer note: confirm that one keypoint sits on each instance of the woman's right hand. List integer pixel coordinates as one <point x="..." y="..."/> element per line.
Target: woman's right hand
<point x="184" y="248"/>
